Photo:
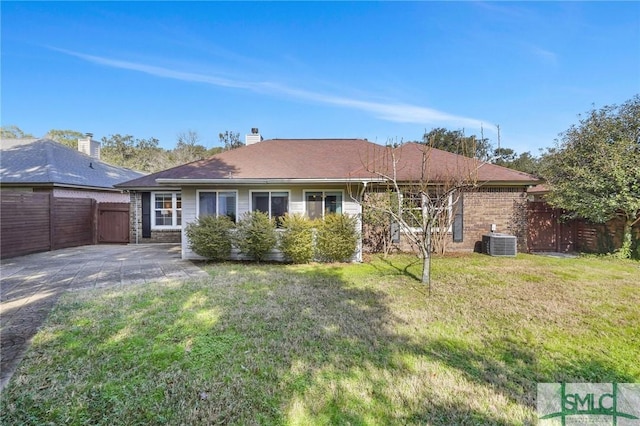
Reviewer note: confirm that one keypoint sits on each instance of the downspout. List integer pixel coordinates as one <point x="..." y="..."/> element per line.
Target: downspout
<point x="364" y="187"/>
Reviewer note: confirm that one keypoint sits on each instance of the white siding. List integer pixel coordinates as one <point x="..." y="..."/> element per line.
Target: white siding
<point x="188" y="216"/>
<point x="296" y="205"/>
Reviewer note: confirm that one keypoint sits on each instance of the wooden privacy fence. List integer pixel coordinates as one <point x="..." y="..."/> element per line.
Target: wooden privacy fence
<point x="547" y="231"/>
<point x="34" y="222"/>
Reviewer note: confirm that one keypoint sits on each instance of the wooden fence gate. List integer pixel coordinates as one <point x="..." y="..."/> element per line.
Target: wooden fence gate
<point x="546" y="230"/>
<point x="113" y="223"/>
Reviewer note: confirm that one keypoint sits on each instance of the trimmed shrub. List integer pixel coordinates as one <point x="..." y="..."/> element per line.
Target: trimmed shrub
<point x="337" y="238"/>
<point x="296" y="239"/>
<point x="210" y="237"/>
<point x="256" y="235"/>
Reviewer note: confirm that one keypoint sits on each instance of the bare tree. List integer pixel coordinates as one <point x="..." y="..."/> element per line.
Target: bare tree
<point x="188" y="148"/>
<point x="422" y="195"/>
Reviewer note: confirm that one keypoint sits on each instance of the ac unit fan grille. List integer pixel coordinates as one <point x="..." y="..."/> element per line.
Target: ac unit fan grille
<point x="499" y="245"/>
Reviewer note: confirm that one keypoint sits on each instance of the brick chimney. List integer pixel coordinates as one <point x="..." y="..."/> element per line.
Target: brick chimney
<point x="88" y="146"/>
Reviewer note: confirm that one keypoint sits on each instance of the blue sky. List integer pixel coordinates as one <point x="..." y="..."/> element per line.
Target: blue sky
<point x="375" y="70"/>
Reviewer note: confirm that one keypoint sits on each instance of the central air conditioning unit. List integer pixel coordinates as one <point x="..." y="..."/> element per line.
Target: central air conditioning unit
<point x="499" y="244"/>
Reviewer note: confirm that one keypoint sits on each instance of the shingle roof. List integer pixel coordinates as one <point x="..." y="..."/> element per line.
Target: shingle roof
<point x="48" y="162"/>
<point x="443" y="165"/>
<point x="323" y="159"/>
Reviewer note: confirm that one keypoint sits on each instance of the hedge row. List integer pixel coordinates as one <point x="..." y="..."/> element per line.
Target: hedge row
<point x="301" y="240"/>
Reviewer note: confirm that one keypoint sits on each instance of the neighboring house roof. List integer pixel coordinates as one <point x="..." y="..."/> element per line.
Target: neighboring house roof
<point x="321" y="160"/>
<point x="44" y="162"/>
<point x="542" y="188"/>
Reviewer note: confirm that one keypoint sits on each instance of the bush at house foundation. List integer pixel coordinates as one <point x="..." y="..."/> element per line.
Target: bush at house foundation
<point x="296" y="239"/>
<point x="210" y="237"/>
<point x="337" y="238"/>
<point x="256" y="235"/>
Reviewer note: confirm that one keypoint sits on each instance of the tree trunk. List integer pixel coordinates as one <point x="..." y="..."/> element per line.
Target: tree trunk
<point x="426" y="269"/>
<point x="426" y="239"/>
<point x="426" y="257"/>
<point x="627" y="238"/>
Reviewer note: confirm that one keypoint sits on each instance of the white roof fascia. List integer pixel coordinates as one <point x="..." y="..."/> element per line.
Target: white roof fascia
<point x="184" y="182"/>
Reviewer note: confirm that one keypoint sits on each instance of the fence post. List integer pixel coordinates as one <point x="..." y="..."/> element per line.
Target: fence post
<point x="52" y="218"/>
<point x="95" y="217"/>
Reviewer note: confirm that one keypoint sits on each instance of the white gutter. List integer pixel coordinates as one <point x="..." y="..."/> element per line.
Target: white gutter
<point x="59" y="185"/>
<point x="262" y="181"/>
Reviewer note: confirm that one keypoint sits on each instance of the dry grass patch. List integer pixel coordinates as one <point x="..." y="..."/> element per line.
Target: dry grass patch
<point x="333" y="344"/>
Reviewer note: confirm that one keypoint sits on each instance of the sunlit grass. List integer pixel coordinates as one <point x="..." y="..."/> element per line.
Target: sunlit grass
<point x="333" y="344"/>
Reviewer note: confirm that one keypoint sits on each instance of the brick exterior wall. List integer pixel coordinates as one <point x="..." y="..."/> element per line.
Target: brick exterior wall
<point x="505" y="207"/>
<point x="157" y="236"/>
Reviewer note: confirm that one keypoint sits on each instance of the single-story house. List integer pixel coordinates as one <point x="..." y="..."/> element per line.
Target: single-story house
<point x="43" y="165"/>
<point x="315" y="177"/>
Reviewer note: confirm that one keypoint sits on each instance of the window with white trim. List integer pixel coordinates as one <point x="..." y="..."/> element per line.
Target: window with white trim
<point x="217" y="203"/>
<point x="320" y="203"/>
<point x="412" y="211"/>
<point x="273" y="203"/>
<point x="167" y="210"/>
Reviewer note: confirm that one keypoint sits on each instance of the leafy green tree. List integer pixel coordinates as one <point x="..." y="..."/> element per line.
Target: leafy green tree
<point x="230" y="140"/>
<point x="138" y="154"/>
<point x="594" y="171"/>
<point x="13" y="132"/>
<point x="65" y="137"/>
<point x="457" y="142"/>
<point x="256" y="235"/>
<point x="118" y="149"/>
<point x="525" y="162"/>
<point x="504" y="156"/>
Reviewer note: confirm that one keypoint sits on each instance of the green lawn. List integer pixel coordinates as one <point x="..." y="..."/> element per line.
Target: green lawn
<point x="333" y="344"/>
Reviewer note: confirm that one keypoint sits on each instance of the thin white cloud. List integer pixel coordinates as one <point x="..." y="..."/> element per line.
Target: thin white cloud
<point x="395" y="112"/>
<point x="544" y="54"/>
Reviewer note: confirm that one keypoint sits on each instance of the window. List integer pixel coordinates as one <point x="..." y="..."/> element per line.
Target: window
<point x="273" y="203"/>
<point x="412" y="210"/>
<point x="320" y="203"/>
<point x="217" y="203"/>
<point x="167" y="210"/>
